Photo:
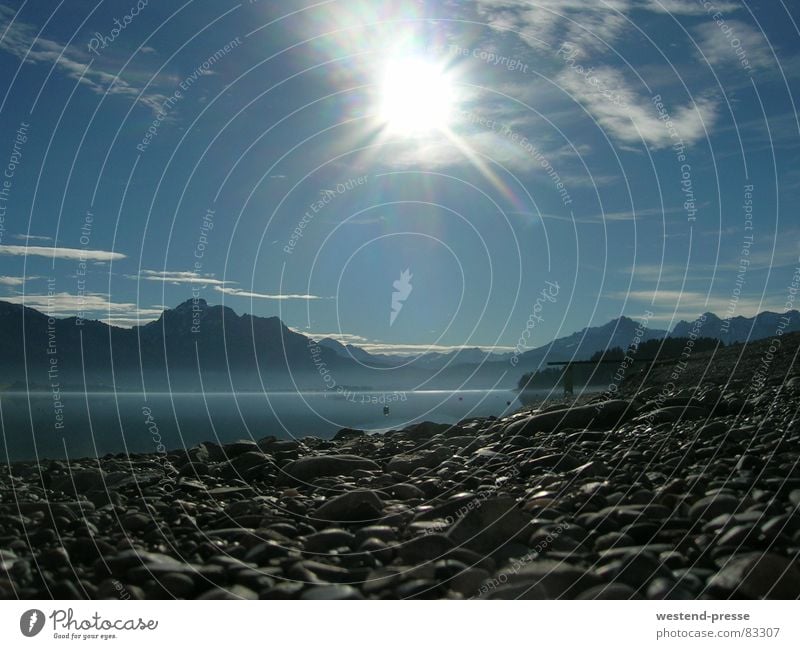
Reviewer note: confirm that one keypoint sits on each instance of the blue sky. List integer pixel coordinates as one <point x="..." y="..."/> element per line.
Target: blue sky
<point x="607" y="147"/>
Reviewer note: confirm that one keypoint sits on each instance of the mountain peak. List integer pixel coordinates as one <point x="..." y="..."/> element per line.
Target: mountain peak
<point x="191" y="303"/>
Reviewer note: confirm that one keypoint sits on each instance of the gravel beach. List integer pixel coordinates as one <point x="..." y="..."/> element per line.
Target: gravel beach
<point x="684" y="485"/>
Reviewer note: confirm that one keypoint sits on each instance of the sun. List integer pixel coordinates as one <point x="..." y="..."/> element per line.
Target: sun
<point x="416" y="97"/>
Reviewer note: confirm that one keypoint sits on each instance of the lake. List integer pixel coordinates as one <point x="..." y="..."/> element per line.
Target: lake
<point x="91" y="424"/>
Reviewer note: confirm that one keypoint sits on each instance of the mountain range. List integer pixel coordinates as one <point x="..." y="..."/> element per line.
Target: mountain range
<point x="197" y="346"/>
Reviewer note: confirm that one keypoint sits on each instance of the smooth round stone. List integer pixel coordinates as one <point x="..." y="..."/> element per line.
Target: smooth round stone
<point x="65" y="589"/>
<point x="307" y="468"/>
<point x="284" y="590"/>
<point x="380" y="550"/>
<point x="785" y="524"/>
<point x="673" y="560"/>
<point x="55" y="558"/>
<point x="136" y="522"/>
<point x="544" y="541"/>
<point x="262" y="553"/>
<point x="239" y="447"/>
<point x="418" y="589"/>
<point x="609" y="591"/>
<point x="405" y="491"/>
<point x="692" y="580"/>
<point x="712" y="506"/>
<point x="635" y="570"/>
<point x="758" y="576"/>
<point x="665" y="588"/>
<point x="737" y="536"/>
<point x="613" y="540"/>
<point x="329" y="539"/>
<point x="177" y="584"/>
<point x="427" y="547"/>
<point x="467" y="583"/>
<point x="233" y="592"/>
<point x="385" y="533"/>
<point x="353" y="506"/>
<point x="336" y="591"/>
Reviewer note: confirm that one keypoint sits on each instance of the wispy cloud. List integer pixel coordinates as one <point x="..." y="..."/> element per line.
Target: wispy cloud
<point x="399" y="349"/>
<point x="632" y="117"/>
<point x="546" y="23"/>
<point x="31" y="237"/>
<point x="229" y="290"/>
<point x="715" y="45"/>
<point x="177" y="277"/>
<point x="60" y="253"/>
<point x="5" y="280"/>
<point x="69" y="304"/>
<point x="19" y="40"/>
<point x="345" y="339"/>
<point x="409" y="349"/>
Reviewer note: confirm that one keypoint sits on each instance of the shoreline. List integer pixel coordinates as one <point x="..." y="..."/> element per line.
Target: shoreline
<point x="692" y="494"/>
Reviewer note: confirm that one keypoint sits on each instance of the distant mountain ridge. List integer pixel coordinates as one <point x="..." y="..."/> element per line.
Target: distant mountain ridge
<point x="197" y="346"/>
<point x="740" y="328"/>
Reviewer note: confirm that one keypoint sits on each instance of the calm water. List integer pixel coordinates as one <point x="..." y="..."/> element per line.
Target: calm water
<point x="99" y="423"/>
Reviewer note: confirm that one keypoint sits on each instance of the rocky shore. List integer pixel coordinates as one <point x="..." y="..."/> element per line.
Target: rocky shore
<point x="681" y="487"/>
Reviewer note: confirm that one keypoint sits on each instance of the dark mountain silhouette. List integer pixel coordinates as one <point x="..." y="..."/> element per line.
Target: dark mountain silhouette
<point x="193" y="345"/>
<point x="741" y="329"/>
<point x="199" y="346"/>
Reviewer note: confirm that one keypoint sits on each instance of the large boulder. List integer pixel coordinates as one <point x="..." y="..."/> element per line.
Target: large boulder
<point x="603" y="415"/>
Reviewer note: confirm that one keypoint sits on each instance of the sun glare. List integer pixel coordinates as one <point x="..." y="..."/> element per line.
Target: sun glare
<point x="416" y="97"/>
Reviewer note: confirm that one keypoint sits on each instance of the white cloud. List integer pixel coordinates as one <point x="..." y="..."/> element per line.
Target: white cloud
<point x="345" y="339"/>
<point x="68" y="304"/>
<point x="177" y="277"/>
<point x="687" y="7"/>
<point x="229" y="290"/>
<point x="545" y="24"/>
<point x="60" y="253"/>
<point x="31" y="237"/>
<point x="19" y="39"/>
<point x="5" y="280"/>
<point x="633" y="118"/>
<point x="717" y="46"/>
<point x="402" y="349"/>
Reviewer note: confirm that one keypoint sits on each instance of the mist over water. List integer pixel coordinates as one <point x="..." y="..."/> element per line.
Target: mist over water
<point x="98" y="423"/>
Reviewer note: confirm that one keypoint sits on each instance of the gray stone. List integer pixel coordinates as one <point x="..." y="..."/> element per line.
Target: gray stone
<point x="306" y="469"/>
<point x="328" y="539"/>
<point x="427" y="547"/>
<point x="609" y="591"/>
<point x="538" y="579"/>
<point x="490" y="525"/>
<point x="712" y="506"/>
<point x="603" y="415"/>
<point x="758" y="576"/>
<point x="353" y="506"/>
<point x="233" y="592"/>
<point x="336" y="591"/>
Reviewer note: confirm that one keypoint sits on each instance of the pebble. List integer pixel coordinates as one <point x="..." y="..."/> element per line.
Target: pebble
<point x="594" y="502"/>
<point x="757" y="576"/>
<point x="353" y="506"/>
<point x="306" y="469"/>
